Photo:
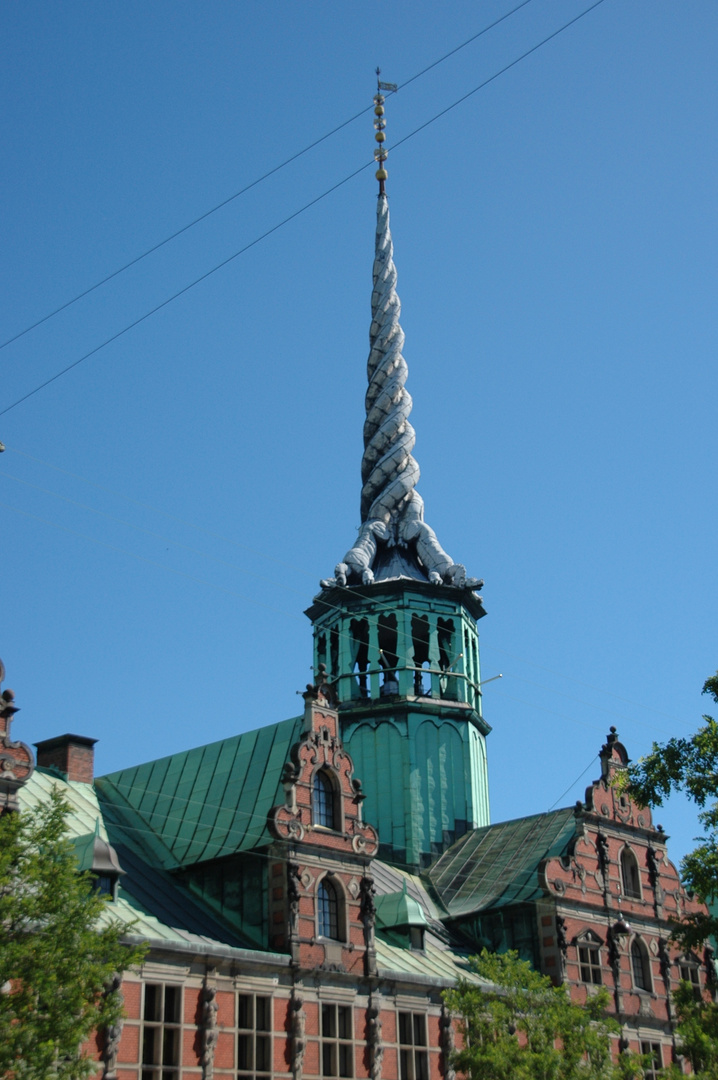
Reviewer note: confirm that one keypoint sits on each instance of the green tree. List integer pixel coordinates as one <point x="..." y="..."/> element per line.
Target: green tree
<point x="689" y="765"/>
<point x="522" y="1027"/>
<point x="57" y="954"/>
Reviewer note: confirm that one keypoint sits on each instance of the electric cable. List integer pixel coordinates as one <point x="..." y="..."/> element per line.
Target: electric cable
<point x="296" y="618"/>
<point x="292" y="216"/>
<point x="253" y="183"/>
<point x="378" y="605"/>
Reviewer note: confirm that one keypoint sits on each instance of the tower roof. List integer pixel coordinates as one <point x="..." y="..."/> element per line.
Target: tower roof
<point x="394" y="541"/>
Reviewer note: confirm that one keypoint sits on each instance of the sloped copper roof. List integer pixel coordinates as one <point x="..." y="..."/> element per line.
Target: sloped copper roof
<point x="498" y="865"/>
<point x="204" y="803"/>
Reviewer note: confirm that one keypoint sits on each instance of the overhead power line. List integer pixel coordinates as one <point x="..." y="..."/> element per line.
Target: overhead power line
<point x="252" y="184"/>
<point x="296" y="213"/>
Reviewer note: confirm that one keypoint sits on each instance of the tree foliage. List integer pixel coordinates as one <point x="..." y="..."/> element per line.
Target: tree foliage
<point x="522" y="1027"/>
<point x="55" y="960"/>
<point x="689" y="765"/>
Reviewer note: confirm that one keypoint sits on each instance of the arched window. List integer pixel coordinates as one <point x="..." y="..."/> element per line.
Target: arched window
<point x="641" y="966"/>
<point x="327" y="910"/>
<point x="630" y="876"/>
<point x="323" y="801"/>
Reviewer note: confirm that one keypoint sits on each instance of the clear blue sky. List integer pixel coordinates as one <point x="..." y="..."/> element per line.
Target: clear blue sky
<point x="170" y="504"/>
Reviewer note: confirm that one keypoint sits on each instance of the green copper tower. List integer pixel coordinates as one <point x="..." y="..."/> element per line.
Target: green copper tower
<point x="396" y="627"/>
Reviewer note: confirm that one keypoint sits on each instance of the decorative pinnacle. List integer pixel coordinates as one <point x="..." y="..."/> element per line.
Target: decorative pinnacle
<point x="381" y="153"/>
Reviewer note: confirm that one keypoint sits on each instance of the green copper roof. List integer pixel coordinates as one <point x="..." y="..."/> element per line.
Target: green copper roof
<point x="158" y="908"/>
<point x="498" y="865"/>
<point x="205" y="803"/>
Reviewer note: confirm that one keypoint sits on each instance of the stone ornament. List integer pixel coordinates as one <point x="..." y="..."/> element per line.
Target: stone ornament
<point x="297" y="1033"/>
<point x="17" y="762"/>
<point x="113" y="1032"/>
<point x="374" y="1040"/>
<point x="208" y="1028"/>
<point x="447" y="1042"/>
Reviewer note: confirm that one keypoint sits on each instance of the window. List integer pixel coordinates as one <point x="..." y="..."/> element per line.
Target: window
<point x="337" y="1045"/>
<point x="688" y="972"/>
<point x="629" y="874"/>
<point x="641" y="966"/>
<point x="413" y="1051"/>
<point x="323" y="801"/>
<point x="105" y="885"/>
<point x="327" y="910"/>
<point x="589" y="959"/>
<point x="254" y="1035"/>
<point x="654" y="1049"/>
<point x="161" y="1030"/>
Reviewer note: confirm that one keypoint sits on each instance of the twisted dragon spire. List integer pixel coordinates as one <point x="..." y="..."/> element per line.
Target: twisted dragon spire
<point x="389" y="472"/>
<point x="392" y="511"/>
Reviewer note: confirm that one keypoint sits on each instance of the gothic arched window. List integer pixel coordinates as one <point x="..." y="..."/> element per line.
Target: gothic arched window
<point x="640" y="965"/>
<point x="327" y="910"/>
<point x="323" y="802"/>
<point x="630" y="876"/>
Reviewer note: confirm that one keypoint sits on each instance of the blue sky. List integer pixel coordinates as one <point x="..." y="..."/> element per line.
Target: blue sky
<point x="170" y="504"/>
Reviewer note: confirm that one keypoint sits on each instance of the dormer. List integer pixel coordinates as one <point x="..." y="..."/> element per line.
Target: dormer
<point x="97" y="855"/>
<point x="401" y="919"/>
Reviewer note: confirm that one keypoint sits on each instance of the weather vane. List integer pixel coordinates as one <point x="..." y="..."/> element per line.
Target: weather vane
<point x="381" y="153"/>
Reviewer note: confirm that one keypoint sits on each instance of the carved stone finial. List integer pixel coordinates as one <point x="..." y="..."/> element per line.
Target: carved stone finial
<point x="322" y="690"/>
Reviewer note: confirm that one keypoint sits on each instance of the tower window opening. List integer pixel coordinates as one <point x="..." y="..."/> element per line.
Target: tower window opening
<point x="359" y="629"/>
<point x="445" y="633"/>
<point x="327" y="910"/>
<point x="323" y="803"/>
<point x="388" y="652"/>
<point x="334" y="650"/>
<point x="447" y="644"/>
<point x="322" y="649"/>
<point x="420" y="641"/>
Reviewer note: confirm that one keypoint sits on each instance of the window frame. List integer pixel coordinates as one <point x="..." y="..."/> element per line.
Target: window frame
<point x="639" y="954"/>
<point x="414" y="1052"/>
<point x="325" y="811"/>
<point x="330" y="914"/>
<point x="590" y="963"/>
<point x="689" y="972"/>
<point x="630" y="875"/>
<point x="656" y="1051"/>
<point x="250" y="1036"/>
<point x="336" y="1040"/>
<point x="162" y="1033"/>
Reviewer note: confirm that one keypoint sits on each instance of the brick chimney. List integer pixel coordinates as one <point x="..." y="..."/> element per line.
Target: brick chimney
<point x="73" y="755"/>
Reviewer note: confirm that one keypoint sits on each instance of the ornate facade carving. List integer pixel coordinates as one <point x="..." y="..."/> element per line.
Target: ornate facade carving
<point x="113" y="1032"/>
<point x="208" y="1028"/>
<point x="297" y="1034"/>
<point x="447" y="1042"/>
<point x="374" y="1041"/>
<point x="17" y="762"/>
